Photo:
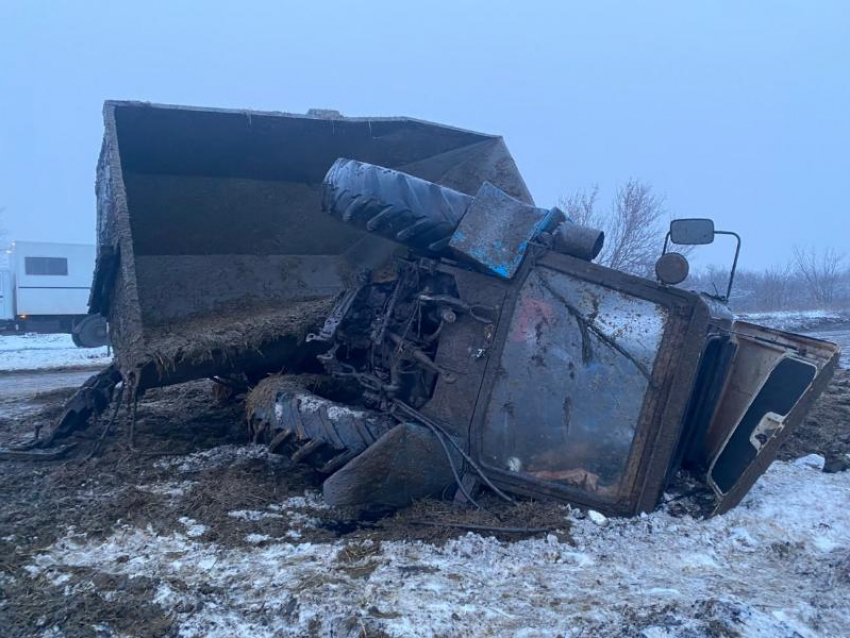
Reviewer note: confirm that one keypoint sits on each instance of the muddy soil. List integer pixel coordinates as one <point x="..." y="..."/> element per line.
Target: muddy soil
<point x="826" y="429"/>
<point x="189" y="463"/>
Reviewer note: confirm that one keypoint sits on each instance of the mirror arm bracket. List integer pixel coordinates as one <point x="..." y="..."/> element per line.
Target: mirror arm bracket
<point x="734" y="261"/>
<point x="737" y="237"/>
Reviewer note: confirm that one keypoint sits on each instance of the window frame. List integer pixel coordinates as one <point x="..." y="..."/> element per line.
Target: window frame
<point x="37" y="266"/>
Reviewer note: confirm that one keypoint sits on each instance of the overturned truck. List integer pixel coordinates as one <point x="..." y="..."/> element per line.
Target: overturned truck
<point x="411" y="324"/>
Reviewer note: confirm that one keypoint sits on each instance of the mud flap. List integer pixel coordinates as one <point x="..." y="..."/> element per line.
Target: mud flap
<point x="405" y="464"/>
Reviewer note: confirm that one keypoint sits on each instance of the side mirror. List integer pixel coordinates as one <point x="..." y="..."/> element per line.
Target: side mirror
<point x="692" y="232"/>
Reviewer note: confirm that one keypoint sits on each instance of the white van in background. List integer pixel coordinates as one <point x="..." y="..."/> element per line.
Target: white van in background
<point x="45" y="287"/>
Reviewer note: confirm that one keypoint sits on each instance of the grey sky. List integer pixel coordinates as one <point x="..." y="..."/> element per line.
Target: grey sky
<point x="735" y="110"/>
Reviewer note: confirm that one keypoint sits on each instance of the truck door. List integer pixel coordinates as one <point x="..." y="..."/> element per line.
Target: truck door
<point x="773" y="379"/>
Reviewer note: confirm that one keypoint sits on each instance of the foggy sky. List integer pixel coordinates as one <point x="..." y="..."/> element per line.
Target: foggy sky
<point x="735" y="110"/>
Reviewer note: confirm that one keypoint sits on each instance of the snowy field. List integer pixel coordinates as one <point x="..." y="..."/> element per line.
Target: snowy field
<point x="47" y="351"/>
<point x="776" y="566"/>
<point x="796" y="320"/>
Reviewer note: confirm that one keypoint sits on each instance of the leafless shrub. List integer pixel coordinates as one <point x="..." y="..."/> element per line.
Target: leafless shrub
<point x="821" y="270"/>
<point x="775" y="288"/>
<point x="775" y="285"/>
<point x="634" y="230"/>
<point x="581" y="208"/>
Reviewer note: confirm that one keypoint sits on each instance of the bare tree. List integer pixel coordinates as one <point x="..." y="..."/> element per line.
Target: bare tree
<point x="774" y="287"/>
<point x="633" y="228"/>
<point x="635" y="231"/>
<point x="581" y="208"/>
<point x="821" y="271"/>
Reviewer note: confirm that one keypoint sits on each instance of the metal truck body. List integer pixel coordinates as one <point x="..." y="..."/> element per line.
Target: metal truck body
<point x="409" y="322"/>
<point x="212" y="252"/>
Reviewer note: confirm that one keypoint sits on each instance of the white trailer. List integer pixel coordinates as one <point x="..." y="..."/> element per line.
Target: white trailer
<point x="45" y="286"/>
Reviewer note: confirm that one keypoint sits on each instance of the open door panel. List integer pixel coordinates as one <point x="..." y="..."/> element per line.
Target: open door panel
<point x="774" y="378"/>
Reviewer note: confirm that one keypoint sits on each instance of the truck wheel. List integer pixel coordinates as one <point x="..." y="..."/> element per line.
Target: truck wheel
<point x="394" y="205"/>
<point x="91" y="332"/>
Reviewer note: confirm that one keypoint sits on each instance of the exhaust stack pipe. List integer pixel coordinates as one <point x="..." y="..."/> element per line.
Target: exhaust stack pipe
<point x="583" y="242"/>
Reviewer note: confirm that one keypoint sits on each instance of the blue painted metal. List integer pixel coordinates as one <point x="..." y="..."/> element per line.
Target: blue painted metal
<point x="496" y="230"/>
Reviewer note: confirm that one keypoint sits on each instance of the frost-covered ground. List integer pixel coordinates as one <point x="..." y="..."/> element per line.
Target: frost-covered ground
<point x="778" y="565"/>
<point x="46" y="351"/>
<point x="796" y="320"/>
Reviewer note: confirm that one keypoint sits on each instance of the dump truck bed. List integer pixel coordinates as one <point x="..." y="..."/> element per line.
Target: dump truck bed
<point x="213" y="254"/>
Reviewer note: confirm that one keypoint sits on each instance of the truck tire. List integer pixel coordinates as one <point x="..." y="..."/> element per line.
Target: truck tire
<point x="91" y="332"/>
<point x="395" y="205"/>
<point x="311" y="429"/>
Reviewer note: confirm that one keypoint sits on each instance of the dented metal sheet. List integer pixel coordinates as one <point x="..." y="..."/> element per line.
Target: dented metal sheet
<point x="497" y="229"/>
<point x="772" y="381"/>
<point x="594" y="352"/>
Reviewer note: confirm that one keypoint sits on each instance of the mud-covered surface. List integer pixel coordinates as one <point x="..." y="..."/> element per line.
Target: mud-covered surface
<point x="193" y="472"/>
<point x="225" y="342"/>
<point x="199" y="533"/>
<point x="826" y="429"/>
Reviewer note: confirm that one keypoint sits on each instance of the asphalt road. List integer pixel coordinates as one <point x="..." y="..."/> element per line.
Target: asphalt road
<point x="23" y="385"/>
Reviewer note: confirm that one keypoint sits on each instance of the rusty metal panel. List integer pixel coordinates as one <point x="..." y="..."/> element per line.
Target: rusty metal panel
<point x="586" y="351"/>
<point x="464" y="349"/>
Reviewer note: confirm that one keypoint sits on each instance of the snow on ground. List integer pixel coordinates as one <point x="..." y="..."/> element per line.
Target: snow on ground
<point x="794" y="320"/>
<point x="778" y="565"/>
<point x="214" y="458"/>
<point x="46" y="351"/>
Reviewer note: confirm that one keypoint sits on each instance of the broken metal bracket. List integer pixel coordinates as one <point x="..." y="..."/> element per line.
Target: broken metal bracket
<point x="339" y="311"/>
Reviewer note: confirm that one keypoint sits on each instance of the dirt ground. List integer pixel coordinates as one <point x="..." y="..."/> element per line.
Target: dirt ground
<point x="40" y="501"/>
<point x="826" y="429"/>
<point x="193" y="469"/>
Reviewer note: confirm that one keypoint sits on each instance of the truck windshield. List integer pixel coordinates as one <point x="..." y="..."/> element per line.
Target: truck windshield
<point x="574" y="373"/>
